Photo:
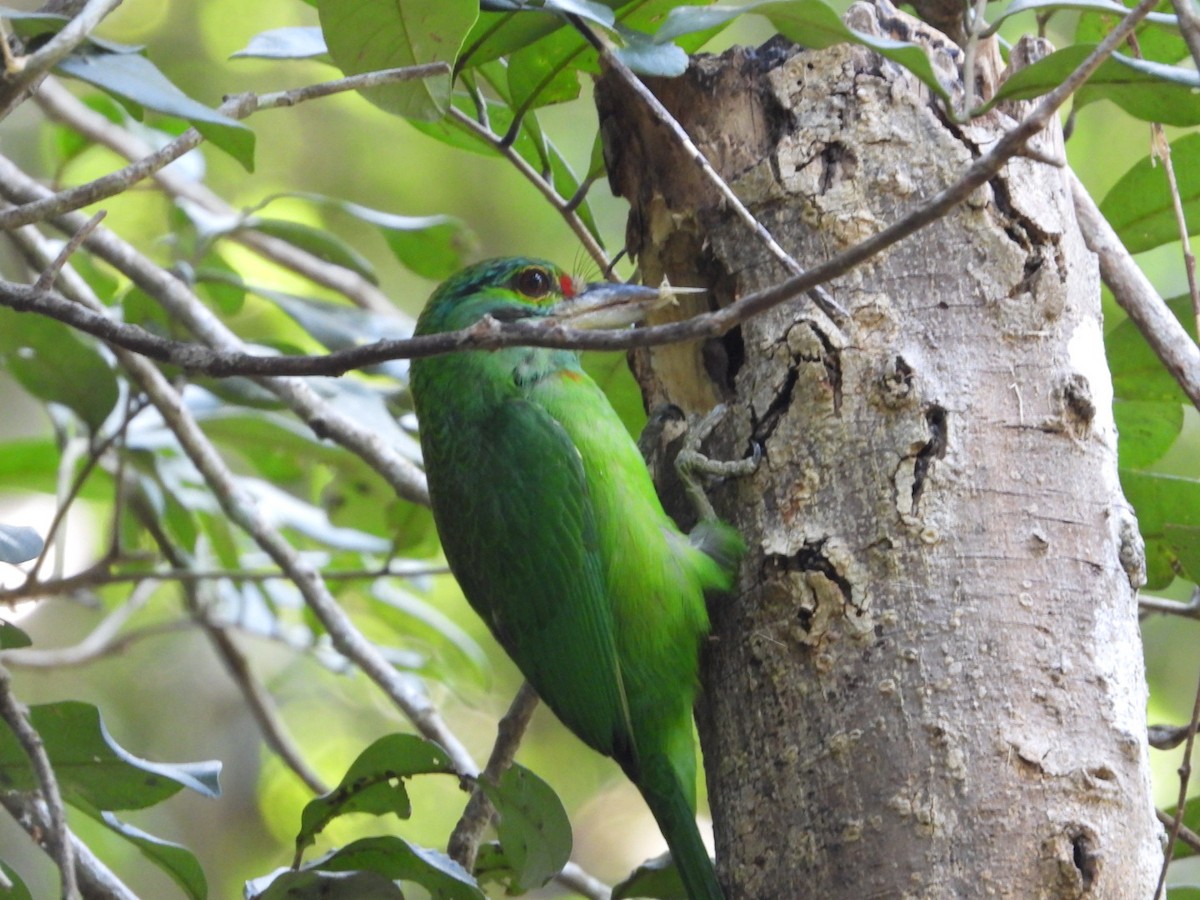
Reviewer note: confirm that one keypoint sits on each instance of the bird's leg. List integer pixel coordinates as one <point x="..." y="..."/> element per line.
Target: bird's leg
<point x="693" y="466"/>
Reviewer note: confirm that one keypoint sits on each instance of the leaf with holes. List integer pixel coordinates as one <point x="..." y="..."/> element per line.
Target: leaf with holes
<point x="374" y="784"/>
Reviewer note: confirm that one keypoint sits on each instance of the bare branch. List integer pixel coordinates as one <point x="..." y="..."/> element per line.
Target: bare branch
<point x="28" y="69"/>
<point x="1189" y="26"/>
<point x="1185" y="771"/>
<point x="1135" y="294"/>
<point x="464" y="842"/>
<point x="96" y="880"/>
<point x="58" y="836"/>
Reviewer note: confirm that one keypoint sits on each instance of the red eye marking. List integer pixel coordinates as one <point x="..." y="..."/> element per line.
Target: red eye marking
<point x="567" y="283"/>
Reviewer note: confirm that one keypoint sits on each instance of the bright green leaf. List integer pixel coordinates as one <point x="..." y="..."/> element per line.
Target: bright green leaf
<point x="94" y="772"/>
<point x="19" y="543"/>
<point x="12" y="637"/>
<point x="137" y="83"/>
<point x="533" y="827"/>
<point x="374" y="783"/>
<point x="1104" y="7"/>
<point x="176" y="860"/>
<point x="369" y="35"/>
<point x="17" y="890"/>
<point x="1146" y="430"/>
<point x="53" y="363"/>
<point x="1137" y="372"/>
<point x="1168" y="511"/>
<point x="1139" y="206"/>
<point x="1148" y="91"/>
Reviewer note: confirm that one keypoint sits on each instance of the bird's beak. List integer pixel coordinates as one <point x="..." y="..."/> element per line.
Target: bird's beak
<point x="609" y="305"/>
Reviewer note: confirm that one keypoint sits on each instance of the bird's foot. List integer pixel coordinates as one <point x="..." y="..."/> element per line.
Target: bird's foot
<point x="694" y="467"/>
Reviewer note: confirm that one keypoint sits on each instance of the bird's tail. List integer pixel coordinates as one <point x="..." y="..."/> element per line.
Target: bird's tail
<point x="667" y="798"/>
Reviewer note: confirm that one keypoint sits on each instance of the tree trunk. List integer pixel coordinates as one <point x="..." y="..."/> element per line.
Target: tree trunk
<point x="929" y="683"/>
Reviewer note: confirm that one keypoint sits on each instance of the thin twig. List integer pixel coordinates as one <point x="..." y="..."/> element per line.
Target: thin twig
<point x="1189" y="26"/>
<point x="1185" y="771"/>
<point x="1186" y="834"/>
<point x="46" y="279"/>
<point x="88" y="651"/>
<point x="1188" y="610"/>
<point x="464" y="841"/>
<point x="1163" y="150"/>
<point x="544" y="186"/>
<point x="238" y="106"/>
<point x="58" y="838"/>
<point x="100" y="574"/>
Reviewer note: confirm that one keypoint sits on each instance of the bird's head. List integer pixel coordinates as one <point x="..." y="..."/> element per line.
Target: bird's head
<point x="521" y="288"/>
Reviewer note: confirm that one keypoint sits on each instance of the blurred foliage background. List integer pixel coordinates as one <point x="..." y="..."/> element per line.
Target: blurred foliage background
<point x="167" y="697"/>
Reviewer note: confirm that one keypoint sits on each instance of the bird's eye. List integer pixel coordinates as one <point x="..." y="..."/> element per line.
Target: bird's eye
<point x="533" y="282"/>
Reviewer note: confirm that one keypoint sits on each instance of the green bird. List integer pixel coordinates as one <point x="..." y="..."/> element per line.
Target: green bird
<point x="550" y="522"/>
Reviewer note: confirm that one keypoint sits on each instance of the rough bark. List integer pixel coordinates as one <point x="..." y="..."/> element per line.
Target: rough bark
<point x="930" y="681"/>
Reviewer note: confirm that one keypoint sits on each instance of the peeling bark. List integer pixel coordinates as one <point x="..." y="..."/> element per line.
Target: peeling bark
<point x="930" y="682"/>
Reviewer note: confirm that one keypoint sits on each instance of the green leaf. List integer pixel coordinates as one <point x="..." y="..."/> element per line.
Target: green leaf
<point x="810" y="23"/>
<point x="1106" y="8"/>
<point x="19" y="543"/>
<point x="647" y="57"/>
<point x="657" y="878"/>
<point x="374" y="784"/>
<point x="435" y="247"/>
<point x="16" y="889"/>
<point x="53" y="363"/>
<point x="285" y="43"/>
<point x="1146" y="430"/>
<point x="1138" y="373"/>
<point x="399" y="860"/>
<point x="1139" y="205"/>
<point x="94" y="771"/>
<point x="533" y="828"/>
<point x="369" y="35"/>
<point x="176" y="860"/>
<point x="1183" y="891"/>
<point x="12" y="637"/>
<point x="137" y="83"/>
<point x="315" y="885"/>
<point x="1168" y="512"/>
<point x="320" y="243"/>
<point x="1148" y="91"/>
<point x="1158" y="36"/>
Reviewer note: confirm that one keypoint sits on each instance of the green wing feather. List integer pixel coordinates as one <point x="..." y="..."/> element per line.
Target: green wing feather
<point x="519" y="532"/>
